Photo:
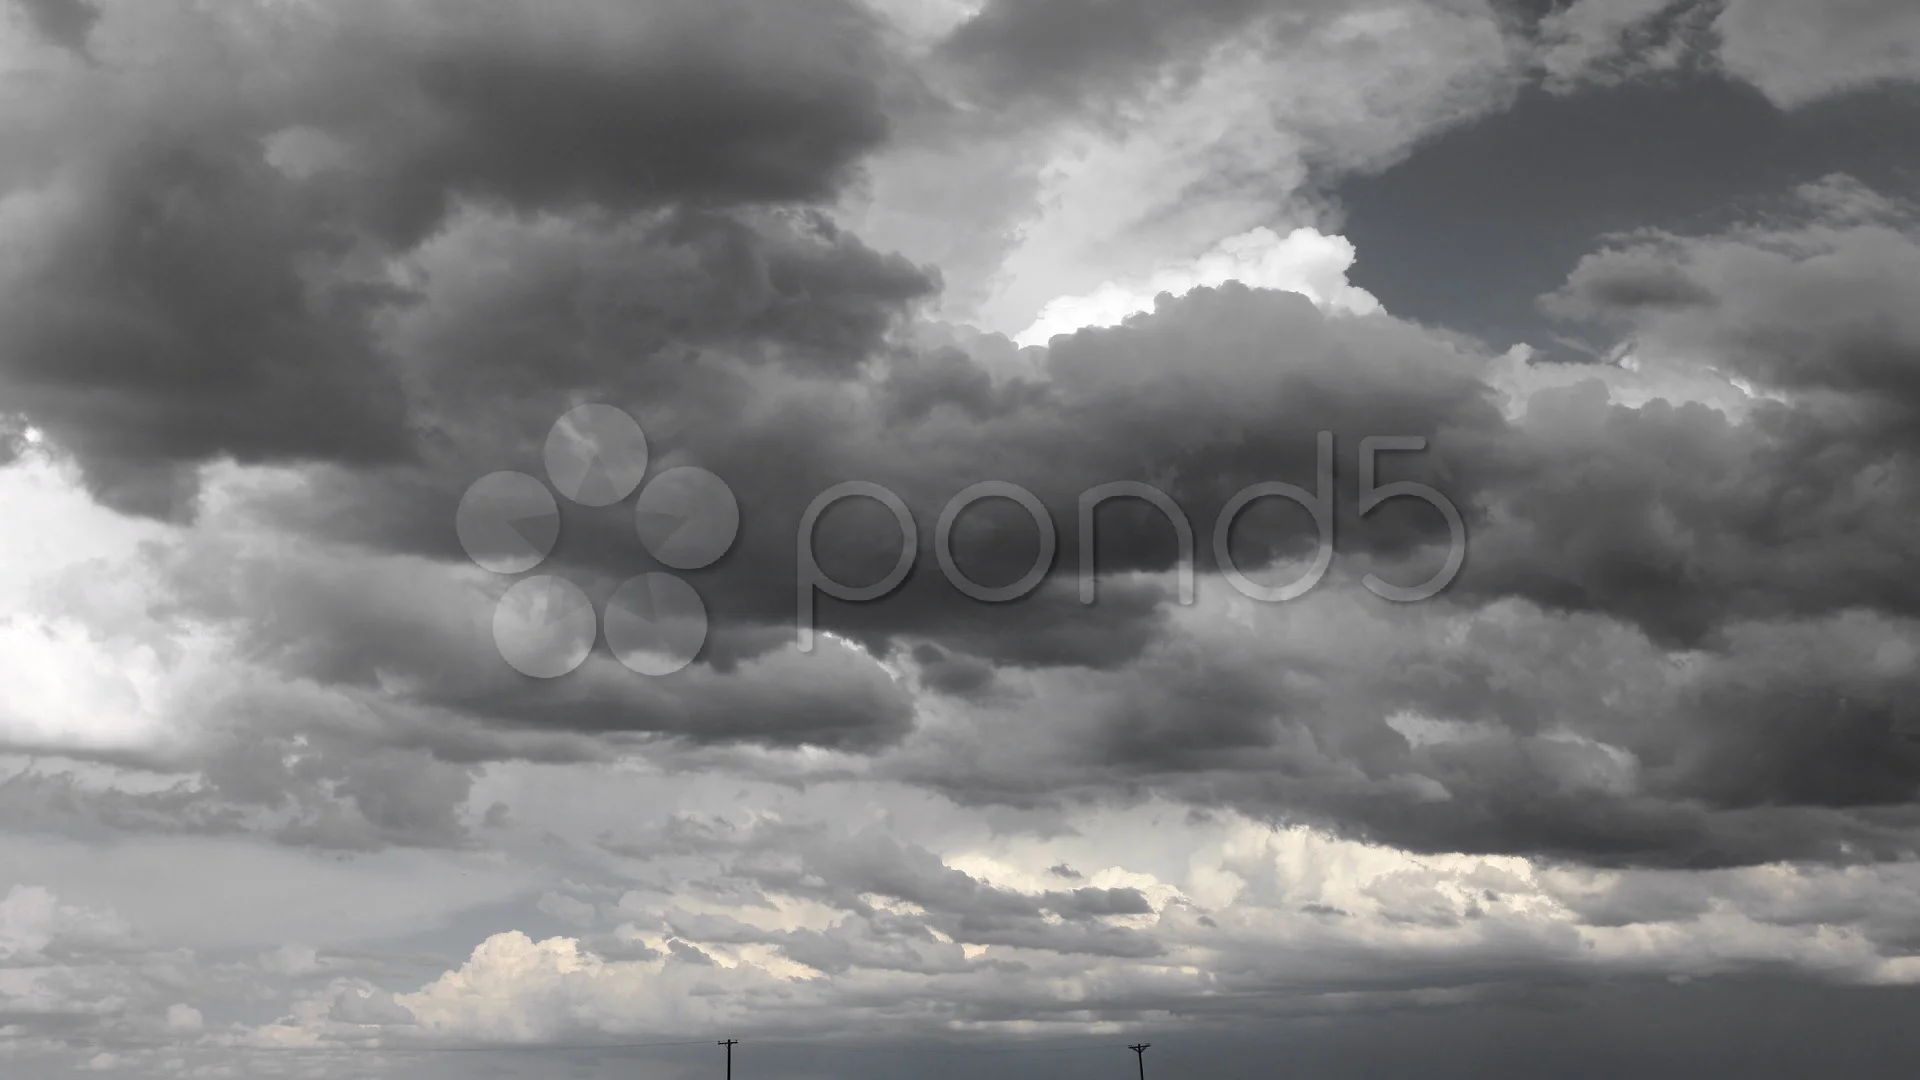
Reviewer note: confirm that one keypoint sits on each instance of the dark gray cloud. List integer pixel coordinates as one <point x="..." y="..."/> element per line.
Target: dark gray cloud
<point x="206" y="284"/>
<point x="615" y="105"/>
<point x="1111" y="408"/>
<point x="1695" y="528"/>
<point x="391" y="244"/>
<point x="1625" y="281"/>
<point x="65" y="23"/>
<point x="1815" y="309"/>
<point x="1512" y="730"/>
<point x="165" y="320"/>
<point x="961" y="676"/>
<point x="1259" y="374"/>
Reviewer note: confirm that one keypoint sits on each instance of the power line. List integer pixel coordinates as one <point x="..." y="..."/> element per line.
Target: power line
<point x="729" y="1044"/>
<point x="1140" y="1055"/>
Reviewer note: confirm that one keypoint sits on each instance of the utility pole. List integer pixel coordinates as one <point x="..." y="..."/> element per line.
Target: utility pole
<point x="1140" y="1054"/>
<point x="729" y="1044"/>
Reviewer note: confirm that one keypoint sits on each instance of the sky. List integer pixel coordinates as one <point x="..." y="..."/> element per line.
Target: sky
<point x="1340" y="538"/>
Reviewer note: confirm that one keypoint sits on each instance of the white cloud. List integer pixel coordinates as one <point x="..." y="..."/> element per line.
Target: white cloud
<point x="1793" y="51"/>
<point x="292" y="959"/>
<point x="514" y="988"/>
<point x="1014" y="218"/>
<point x="1290" y="918"/>
<point x="1577" y="41"/>
<point x="1304" y="261"/>
<point x="925" y="21"/>
<point x="1797" y="52"/>
<point x="32" y="918"/>
<point x="84" y="661"/>
<point x="183" y="1018"/>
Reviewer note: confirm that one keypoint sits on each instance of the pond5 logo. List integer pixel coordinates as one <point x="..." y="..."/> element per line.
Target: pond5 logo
<point x="685" y="517"/>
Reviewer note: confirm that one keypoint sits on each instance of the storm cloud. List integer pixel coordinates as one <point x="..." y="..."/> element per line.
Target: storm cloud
<point x="283" y="281"/>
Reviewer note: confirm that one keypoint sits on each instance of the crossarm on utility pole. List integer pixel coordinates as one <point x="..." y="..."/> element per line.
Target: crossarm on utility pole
<point x="1140" y="1055"/>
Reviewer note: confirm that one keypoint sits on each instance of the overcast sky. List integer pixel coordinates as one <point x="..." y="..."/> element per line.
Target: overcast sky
<point x="319" y="760"/>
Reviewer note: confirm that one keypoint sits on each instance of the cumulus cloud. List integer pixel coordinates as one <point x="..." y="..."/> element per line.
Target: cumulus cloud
<point x="1304" y="261"/>
<point x="1078" y="157"/>
<point x="146" y="265"/>
<point x="1795" y="54"/>
<point x="1576" y="508"/>
<point x="1224" y="903"/>
<point x="1609" y="41"/>
<point x="286" y="279"/>
<point x="1798" y="53"/>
